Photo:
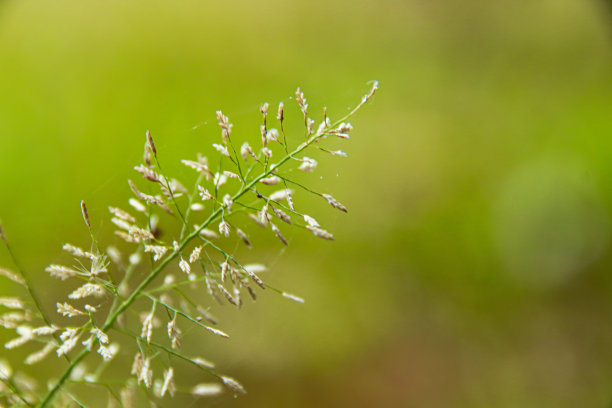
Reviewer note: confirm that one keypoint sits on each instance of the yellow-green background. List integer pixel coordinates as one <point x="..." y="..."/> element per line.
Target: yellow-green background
<point x="474" y="267"/>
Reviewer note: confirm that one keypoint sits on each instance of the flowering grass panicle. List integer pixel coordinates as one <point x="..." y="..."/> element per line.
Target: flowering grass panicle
<point x="106" y="290"/>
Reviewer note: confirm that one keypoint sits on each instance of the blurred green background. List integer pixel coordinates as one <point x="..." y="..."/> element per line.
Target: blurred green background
<point x="474" y="268"/>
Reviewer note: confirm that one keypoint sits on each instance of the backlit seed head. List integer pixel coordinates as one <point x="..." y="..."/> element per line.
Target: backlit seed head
<point x="204" y="194"/>
<point x="184" y="265"/>
<point x="270" y="181"/>
<point x="224" y="228"/>
<point x="233" y="385"/>
<point x="308" y="164"/>
<point x="321" y="233"/>
<point x="221" y="149"/>
<point x="281" y="112"/>
<point x="68" y="310"/>
<point x="88" y="289"/>
<point x="278" y="234"/>
<point x="334" y="203"/>
<point x="195" y="254"/>
<point x="85" y="214"/>
<point x="206" y="390"/>
<point x="227" y="200"/>
<point x="246" y="151"/>
<point x="150" y="143"/>
<point x="243" y="237"/>
<point x="266" y="152"/>
<point x="272" y="136"/>
<point x="301" y="100"/>
<point x="158" y="251"/>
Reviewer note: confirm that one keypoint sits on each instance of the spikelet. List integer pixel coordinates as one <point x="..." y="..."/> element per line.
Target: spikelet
<point x="280" y="195"/>
<point x="334" y="203"/>
<point x="137" y="205"/>
<point x="90" y="309"/>
<point x="158" y="251"/>
<point x="206" y="390"/>
<point x="208" y="234"/>
<point x="147" y="327"/>
<point x="147" y="173"/>
<point x="196" y="207"/>
<point x="69" y="340"/>
<point x="243" y="237"/>
<point x="266" y="152"/>
<point x="281" y="214"/>
<point x="85" y="214"/>
<point x="146" y="374"/>
<point x="278" y="234"/>
<point x="195" y="254"/>
<point x="216" y="331"/>
<point x="233" y="385"/>
<point x="272" y="136"/>
<point x="140" y="234"/>
<point x="150" y="143"/>
<point x="61" y="272"/>
<point x="12" y="276"/>
<point x="227" y="295"/>
<point x="224" y="228"/>
<point x="226" y="127"/>
<point x="25" y="335"/>
<point x="197" y="166"/>
<point x="270" y="181"/>
<point x="44" y="330"/>
<point x="301" y="100"/>
<point x="203" y="362"/>
<point x="137" y="364"/>
<point x="280" y="116"/>
<point x="204" y="194"/>
<point x="11" y="302"/>
<point x="308" y="164"/>
<point x="100" y="335"/>
<point x="88" y="289"/>
<point x="185" y="267"/>
<point x="310" y="124"/>
<point x="310" y="221"/>
<point x="224" y="270"/>
<point x="290" y="200"/>
<point x="78" y="252"/>
<point x="174" y="334"/>
<point x="249" y="270"/>
<point x="230" y="174"/>
<point x="39" y="355"/>
<point x="168" y="385"/>
<point x="293" y="297"/>
<point x="262" y="222"/>
<point x="122" y="224"/>
<point x="67" y="310"/>
<point x="106" y="352"/>
<point x="255" y="268"/>
<point x="263" y="131"/>
<point x="227" y="201"/>
<point x="245" y="151"/>
<point x="319" y="232"/>
<point x="221" y="149"/>
<point x="219" y="179"/>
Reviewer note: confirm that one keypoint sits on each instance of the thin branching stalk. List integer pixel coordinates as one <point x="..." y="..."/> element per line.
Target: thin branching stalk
<point x="221" y="268"/>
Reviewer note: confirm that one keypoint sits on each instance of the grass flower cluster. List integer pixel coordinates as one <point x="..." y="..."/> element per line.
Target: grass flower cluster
<point x="137" y="307"/>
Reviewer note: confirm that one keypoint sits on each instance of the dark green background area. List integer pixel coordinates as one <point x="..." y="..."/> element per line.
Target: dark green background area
<point x="474" y="268"/>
